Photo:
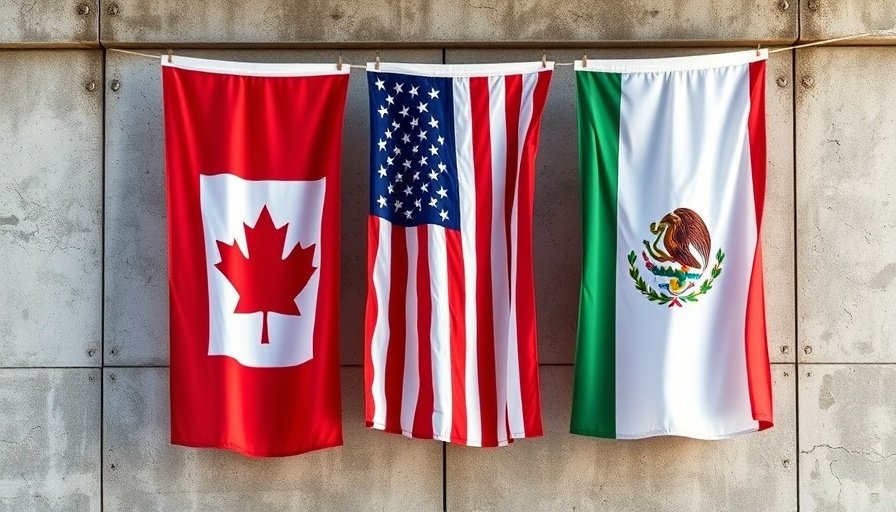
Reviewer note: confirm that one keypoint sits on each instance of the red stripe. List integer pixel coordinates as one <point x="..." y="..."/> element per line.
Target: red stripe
<point x="513" y="99"/>
<point x="373" y="242"/>
<point x="525" y="298"/>
<point x="423" y="413"/>
<point x="395" y="352"/>
<point x="485" y="321"/>
<point x="456" y="300"/>
<point x="758" y="371"/>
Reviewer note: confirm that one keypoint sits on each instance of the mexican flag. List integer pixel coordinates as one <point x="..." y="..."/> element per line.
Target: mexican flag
<point x="671" y="336"/>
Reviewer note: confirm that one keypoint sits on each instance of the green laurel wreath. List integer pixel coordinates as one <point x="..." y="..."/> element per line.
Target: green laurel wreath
<point x="660" y="297"/>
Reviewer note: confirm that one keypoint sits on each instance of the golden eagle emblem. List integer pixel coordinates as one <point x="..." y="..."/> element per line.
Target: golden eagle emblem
<point x="677" y="259"/>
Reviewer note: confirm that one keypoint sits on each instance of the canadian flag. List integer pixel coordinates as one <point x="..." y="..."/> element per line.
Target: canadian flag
<point x="252" y="156"/>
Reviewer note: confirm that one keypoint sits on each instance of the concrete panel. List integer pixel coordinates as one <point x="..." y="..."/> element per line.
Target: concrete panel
<point x="565" y="472"/>
<point x="847" y="437"/>
<point x="846" y="205"/>
<point x="49" y="23"/>
<point x="446" y="21"/>
<point x="373" y="471"/>
<point x="49" y="439"/>
<point x="136" y="314"/>
<point x="50" y="208"/>
<point x="825" y="19"/>
<point x="558" y="230"/>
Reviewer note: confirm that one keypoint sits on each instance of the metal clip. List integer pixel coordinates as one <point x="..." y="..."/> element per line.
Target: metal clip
<point x="758" y="48"/>
<point x="339" y="63"/>
<point x="170" y="55"/>
<point x="544" y="59"/>
<point x="376" y="64"/>
<point x="584" y="61"/>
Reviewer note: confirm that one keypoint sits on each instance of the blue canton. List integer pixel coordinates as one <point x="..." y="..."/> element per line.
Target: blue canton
<point x="413" y="168"/>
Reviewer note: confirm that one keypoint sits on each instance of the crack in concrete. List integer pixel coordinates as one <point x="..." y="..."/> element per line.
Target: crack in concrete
<point x="869" y="456"/>
<point x="489" y="7"/>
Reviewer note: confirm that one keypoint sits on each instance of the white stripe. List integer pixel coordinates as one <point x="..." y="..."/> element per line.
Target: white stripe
<point x="441" y="333"/>
<point x="514" y="391"/>
<point x="380" y="340"/>
<point x="461" y="70"/>
<point x="411" y="383"/>
<point x="500" y="291"/>
<point x="467" y="184"/>
<point x="252" y="68"/>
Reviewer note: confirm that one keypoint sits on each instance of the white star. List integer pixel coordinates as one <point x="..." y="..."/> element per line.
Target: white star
<point x="422" y="107"/>
<point x="407" y="164"/>
<point x="433" y="93"/>
<point x="406" y="138"/>
<point x="408" y="191"/>
<point x="382" y="172"/>
<point x="416" y="175"/>
<point x="433" y="122"/>
<point x="395" y="125"/>
<point x="414" y="121"/>
<point x="397" y="205"/>
<point x="404" y="111"/>
<point x="424" y="187"/>
<point x="415" y="149"/>
<point x="389" y="160"/>
<point x="398" y="177"/>
<point x="433" y="150"/>
<point x="383" y="111"/>
<point x="398" y="88"/>
<point x="433" y="202"/>
<point x="442" y="192"/>
<point x="382" y="144"/>
<point x="390" y="99"/>
<point x="422" y="134"/>
<point x="380" y="84"/>
<point x="388" y="134"/>
<point x="396" y="150"/>
<point x="381" y="201"/>
<point x="444" y="215"/>
<point x="413" y="91"/>
<point x="408" y="213"/>
<point x="433" y="175"/>
<point x="442" y="167"/>
<point x="441" y="140"/>
<point x="423" y="160"/>
<point x="417" y="204"/>
<point x="391" y="189"/>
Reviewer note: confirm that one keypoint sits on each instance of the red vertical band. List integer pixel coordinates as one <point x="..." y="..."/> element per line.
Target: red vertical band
<point x="513" y="99"/>
<point x="423" y="413"/>
<point x="525" y="296"/>
<point x="395" y="352"/>
<point x="458" y="337"/>
<point x="758" y="370"/>
<point x="485" y="315"/>
<point x="373" y="243"/>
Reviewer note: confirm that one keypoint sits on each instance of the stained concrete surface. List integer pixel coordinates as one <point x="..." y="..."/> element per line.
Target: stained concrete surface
<point x="847" y="437"/>
<point x="566" y="472"/>
<point x="142" y="471"/>
<point x="445" y="21"/>
<point x="136" y="265"/>
<point x="51" y="165"/>
<point x="846" y="206"/>
<point x="49" y="439"/>
<point x="36" y="23"/>
<point x="826" y="19"/>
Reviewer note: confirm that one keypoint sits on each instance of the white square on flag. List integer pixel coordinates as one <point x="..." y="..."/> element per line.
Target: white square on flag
<point x="229" y="206"/>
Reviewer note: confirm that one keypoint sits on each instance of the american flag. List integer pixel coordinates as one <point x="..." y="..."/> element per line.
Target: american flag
<point x="451" y="348"/>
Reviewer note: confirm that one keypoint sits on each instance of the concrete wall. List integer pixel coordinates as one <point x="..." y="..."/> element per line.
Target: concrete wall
<point x="83" y="302"/>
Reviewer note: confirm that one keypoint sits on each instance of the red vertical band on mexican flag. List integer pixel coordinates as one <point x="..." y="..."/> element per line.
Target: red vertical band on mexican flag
<point x="458" y="337"/>
<point x="422" y="426"/>
<point x="758" y="370"/>
<point x="373" y="243"/>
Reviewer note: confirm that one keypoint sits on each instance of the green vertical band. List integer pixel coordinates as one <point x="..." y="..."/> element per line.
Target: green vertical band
<point x="594" y="393"/>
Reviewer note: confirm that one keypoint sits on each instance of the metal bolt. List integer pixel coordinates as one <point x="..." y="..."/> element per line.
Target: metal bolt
<point x="784" y="5"/>
<point x="812" y="5"/>
<point x="90" y="378"/>
<point x="115" y="85"/>
<point x="787" y="374"/>
<point x="90" y="352"/>
<point x="808" y="374"/>
<point x="785" y="463"/>
<point x="785" y="349"/>
<point x="808" y="82"/>
<point x="112" y="377"/>
<point x="114" y="10"/>
<point x="90" y="86"/>
<point x="807" y="349"/>
<point x="112" y="466"/>
<point x="83" y="10"/>
<point x="781" y="81"/>
<point x="113" y="352"/>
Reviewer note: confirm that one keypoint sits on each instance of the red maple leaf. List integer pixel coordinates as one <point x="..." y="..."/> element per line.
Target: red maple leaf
<point x="266" y="281"/>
